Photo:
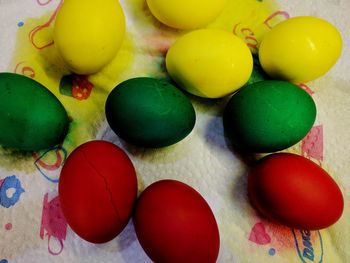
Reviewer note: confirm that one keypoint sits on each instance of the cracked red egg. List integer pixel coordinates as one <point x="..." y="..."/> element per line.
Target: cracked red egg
<point x="97" y="191"/>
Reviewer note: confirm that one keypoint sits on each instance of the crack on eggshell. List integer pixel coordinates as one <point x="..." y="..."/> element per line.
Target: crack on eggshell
<point x="106" y="185"/>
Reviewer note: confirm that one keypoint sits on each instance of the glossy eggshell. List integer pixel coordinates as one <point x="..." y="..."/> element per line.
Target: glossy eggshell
<point x="149" y="113"/>
<point x="294" y="191"/>
<point x="186" y="14"/>
<point x="175" y="224"/>
<point x="97" y="191"/>
<point x="209" y="63"/>
<point x="89" y="35"/>
<point x="31" y="117"/>
<point x="268" y="116"/>
<point x="300" y="49"/>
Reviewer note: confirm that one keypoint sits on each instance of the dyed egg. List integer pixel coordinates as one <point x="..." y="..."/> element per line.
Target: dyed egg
<point x="97" y="191"/>
<point x="31" y="117"/>
<point x="300" y="49"/>
<point x="209" y="63"/>
<point x="175" y="224"/>
<point x="294" y="191"/>
<point x="186" y="14"/>
<point x="89" y="35"/>
<point x="149" y="113"/>
<point x="268" y="116"/>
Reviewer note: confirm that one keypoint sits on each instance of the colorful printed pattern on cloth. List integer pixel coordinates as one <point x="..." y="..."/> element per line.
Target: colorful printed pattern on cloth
<point x="53" y="224"/>
<point x="10" y="191"/>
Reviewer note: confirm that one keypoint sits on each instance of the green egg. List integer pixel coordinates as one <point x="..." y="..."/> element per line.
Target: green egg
<point x="31" y="117"/>
<point x="150" y="113"/>
<point x="268" y="116"/>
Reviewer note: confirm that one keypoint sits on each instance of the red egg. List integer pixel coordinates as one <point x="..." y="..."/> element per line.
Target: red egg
<point x="97" y="191"/>
<point x="175" y="224"/>
<point x="294" y="191"/>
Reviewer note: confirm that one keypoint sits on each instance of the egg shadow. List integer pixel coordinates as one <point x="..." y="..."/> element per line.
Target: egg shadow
<point x="248" y="158"/>
<point x="199" y="103"/>
<point x="130" y="248"/>
<point x="242" y="200"/>
<point x="16" y="160"/>
<point x="240" y="192"/>
<point x="216" y="108"/>
<point x="143" y="152"/>
<point x="215" y="135"/>
<point x="51" y="62"/>
<point x="204" y="105"/>
<point x="163" y="155"/>
<point x="125" y="245"/>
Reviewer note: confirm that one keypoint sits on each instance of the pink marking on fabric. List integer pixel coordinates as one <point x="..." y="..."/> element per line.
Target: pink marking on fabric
<point x="35" y="30"/>
<point x="284" y="14"/>
<point x="248" y="35"/>
<point x="235" y="28"/>
<point x="259" y="235"/>
<point x="1" y="182"/>
<point x="158" y="43"/>
<point x="53" y="222"/>
<point x="43" y="3"/>
<point x="254" y="41"/>
<point x="306" y="88"/>
<point x="312" y="144"/>
<point x="26" y="71"/>
<point x="281" y="236"/>
<point x="8" y="226"/>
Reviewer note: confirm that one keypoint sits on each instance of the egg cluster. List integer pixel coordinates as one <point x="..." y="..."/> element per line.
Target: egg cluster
<point x="266" y="113"/>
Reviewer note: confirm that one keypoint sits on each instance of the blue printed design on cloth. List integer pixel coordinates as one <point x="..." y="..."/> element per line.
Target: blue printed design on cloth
<point x="8" y="183"/>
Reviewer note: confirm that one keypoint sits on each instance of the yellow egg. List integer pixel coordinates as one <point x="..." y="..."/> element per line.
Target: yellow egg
<point x="89" y="33"/>
<point x="300" y="49"/>
<point x="209" y="63"/>
<point x="186" y="14"/>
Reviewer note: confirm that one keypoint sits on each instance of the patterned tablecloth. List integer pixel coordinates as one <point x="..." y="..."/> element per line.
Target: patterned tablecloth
<point x="32" y="228"/>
